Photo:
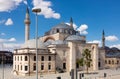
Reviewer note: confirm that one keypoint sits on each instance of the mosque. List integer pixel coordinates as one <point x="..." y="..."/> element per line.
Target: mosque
<point x="58" y="51"/>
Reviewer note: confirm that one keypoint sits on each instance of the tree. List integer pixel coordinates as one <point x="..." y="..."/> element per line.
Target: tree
<point x="86" y="59"/>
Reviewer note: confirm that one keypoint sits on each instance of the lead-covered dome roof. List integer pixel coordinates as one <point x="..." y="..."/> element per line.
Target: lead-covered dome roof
<point x="75" y="38"/>
<point x="63" y="26"/>
<point x="32" y="44"/>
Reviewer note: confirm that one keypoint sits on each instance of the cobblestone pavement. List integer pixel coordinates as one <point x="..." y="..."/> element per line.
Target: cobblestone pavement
<point x="8" y="74"/>
<point x="110" y="74"/>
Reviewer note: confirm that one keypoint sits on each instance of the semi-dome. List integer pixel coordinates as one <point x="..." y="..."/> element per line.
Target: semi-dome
<point x="32" y="44"/>
<point x="75" y="38"/>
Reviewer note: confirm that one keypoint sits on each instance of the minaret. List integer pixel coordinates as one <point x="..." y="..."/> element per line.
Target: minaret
<point x="103" y="39"/>
<point x="27" y="25"/>
<point x="71" y="22"/>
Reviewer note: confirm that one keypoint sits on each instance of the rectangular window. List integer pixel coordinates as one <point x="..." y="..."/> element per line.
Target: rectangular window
<point x="15" y="58"/>
<point x="77" y="65"/>
<point x="49" y="58"/>
<point x="18" y="58"/>
<point x="18" y="67"/>
<point x="21" y="58"/>
<point x="15" y="67"/>
<point x="26" y="68"/>
<point x="21" y="67"/>
<point x="64" y="65"/>
<point x="42" y="58"/>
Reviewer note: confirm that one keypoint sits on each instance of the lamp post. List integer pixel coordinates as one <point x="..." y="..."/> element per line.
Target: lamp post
<point x="36" y="11"/>
<point x="3" y="65"/>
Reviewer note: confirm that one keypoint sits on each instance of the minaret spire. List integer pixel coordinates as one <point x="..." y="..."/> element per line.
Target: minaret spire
<point x="71" y="22"/>
<point x="103" y="39"/>
<point x="27" y="24"/>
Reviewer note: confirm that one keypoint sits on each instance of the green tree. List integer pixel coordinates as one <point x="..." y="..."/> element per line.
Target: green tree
<point x="86" y="59"/>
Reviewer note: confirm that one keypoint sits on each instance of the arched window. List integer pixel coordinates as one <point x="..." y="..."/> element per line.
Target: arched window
<point x="26" y="68"/>
<point x="42" y="66"/>
<point x="26" y="58"/>
<point x="34" y="58"/>
<point x="42" y="58"/>
<point x="49" y="66"/>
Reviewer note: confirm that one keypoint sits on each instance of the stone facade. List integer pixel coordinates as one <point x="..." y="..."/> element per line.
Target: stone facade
<point x="58" y="51"/>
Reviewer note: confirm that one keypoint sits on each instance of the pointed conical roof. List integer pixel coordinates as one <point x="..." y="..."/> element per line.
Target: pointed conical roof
<point x="71" y="20"/>
<point x="27" y="10"/>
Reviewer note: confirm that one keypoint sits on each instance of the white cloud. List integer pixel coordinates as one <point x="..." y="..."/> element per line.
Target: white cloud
<point x="111" y="38"/>
<point x="9" y="46"/>
<point x="2" y="21"/>
<point x="12" y="40"/>
<point x="7" y="40"/>
<point x="9" y="22"/>
<point x="117" y="46"/>
<point x="46" y="9"/>
<point x="82" y="29"/>
<point x="95" y="41"/>
<point x="25" y="2"/>
<point x="2" y="40"/>
<point x="74" y="25"/>
<point x="83" y="32"/>
<point x="2" y="34"/>
<point x="8" y="5"/>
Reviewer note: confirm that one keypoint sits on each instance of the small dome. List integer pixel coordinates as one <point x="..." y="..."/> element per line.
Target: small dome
<point x="32" y="44"/>
<point x="75" y="38"/>
<point x="62" y="25"/>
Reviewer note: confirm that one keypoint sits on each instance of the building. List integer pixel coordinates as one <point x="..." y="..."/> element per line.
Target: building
<point x="6" y="57"/>
<point x="108" y="57"/>
<point x="58" y="51"/>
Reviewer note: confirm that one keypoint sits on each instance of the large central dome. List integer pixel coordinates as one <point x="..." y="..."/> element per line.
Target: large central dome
<point x="62" y="25"/>
<point x="62" y="28"/>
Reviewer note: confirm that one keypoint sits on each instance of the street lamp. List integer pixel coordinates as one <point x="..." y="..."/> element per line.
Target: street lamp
<point x="36" y="11"/>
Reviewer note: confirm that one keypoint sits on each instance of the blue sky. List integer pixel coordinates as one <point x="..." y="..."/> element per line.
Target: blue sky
<point x="90" y="17"/>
